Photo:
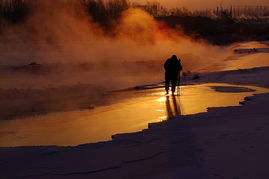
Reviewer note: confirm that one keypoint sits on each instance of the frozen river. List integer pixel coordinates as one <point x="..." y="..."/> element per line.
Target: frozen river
<point x="133" y="112"/>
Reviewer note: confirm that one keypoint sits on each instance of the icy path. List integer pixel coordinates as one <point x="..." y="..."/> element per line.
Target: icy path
<point x="133" y="113"/>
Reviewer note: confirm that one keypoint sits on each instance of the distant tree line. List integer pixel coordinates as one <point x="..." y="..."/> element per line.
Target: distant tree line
<point x="219" y="26"/>
<point x="105" y="12"/>
<point x="248" y="14"/>
<point x="236" y="13"/>
<point x="14" y="11"/>
<point x="108" y="12"/>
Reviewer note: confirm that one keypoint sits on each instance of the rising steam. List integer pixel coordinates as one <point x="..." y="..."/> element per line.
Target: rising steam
<point x="61" y="32"/>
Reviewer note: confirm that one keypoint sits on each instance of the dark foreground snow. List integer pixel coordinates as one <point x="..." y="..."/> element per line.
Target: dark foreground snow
<point x="225" y="142"/>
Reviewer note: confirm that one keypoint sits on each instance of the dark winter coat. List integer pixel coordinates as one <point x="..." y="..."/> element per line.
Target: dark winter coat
<point x="172" y="68"/>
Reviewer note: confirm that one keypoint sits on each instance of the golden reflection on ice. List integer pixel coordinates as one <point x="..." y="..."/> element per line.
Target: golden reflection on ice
<point x="130" y="115"/>
<point x="172" y="106"/>
<point x="162" y="99"/>
<point x="162" y="117"/>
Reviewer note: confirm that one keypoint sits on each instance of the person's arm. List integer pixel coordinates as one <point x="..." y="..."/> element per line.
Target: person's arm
<point x="180" y="68"/>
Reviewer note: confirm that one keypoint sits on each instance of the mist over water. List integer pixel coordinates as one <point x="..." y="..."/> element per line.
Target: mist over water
<point x="60" y="33"/>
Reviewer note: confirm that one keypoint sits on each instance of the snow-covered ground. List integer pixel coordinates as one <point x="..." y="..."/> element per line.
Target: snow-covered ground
<point x="229" y="142"/>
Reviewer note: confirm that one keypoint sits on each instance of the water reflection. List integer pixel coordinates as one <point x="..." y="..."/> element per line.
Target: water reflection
<point x="133" y="113"/>
<point x="172" y="106"/>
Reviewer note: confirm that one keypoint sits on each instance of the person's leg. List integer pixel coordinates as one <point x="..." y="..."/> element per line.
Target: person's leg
<point x="167" y="84"/>
<point x="174" y="84"/>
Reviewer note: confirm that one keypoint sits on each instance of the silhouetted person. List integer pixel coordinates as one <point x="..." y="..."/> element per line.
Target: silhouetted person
<point x="172" y="68"/>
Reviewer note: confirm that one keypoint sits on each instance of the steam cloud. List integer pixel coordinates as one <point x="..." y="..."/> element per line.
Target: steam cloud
<point x="60" y="32"/>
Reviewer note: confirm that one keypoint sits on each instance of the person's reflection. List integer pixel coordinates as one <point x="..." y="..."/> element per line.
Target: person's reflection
<point x="172" y="109"/>
<point x="168" y="108"/>
<point x="176" y="105"/>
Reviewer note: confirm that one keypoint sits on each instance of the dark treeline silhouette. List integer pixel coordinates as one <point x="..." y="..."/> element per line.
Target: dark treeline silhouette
<point x="105" y="12"/>
<point x="14" y="11"/>
<point x="233" y="12"/>
<point x="219" y="26"/>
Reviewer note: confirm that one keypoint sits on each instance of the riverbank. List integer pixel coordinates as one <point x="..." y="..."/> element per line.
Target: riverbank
<point x="228" y="142"/>
<point x="132" y="113"/>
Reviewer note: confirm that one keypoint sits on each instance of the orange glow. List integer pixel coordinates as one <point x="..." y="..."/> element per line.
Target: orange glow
<point x="130" y="115"/>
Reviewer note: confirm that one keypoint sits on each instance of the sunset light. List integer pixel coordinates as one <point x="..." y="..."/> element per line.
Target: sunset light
<point x="134" y="89"/>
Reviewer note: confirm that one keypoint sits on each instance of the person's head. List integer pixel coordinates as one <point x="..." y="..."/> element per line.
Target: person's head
<point x="175" y="57"/>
